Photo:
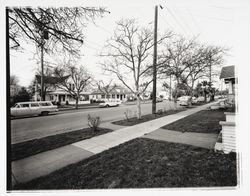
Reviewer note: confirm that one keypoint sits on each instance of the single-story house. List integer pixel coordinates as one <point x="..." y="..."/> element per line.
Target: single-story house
<point x="117" y="93"/>
<point x="56" y="94"/>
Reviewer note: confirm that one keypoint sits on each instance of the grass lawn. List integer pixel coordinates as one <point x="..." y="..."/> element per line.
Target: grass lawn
<point x="144" y="163"/>
<point x="134" y="120"/>
<point x="32" y="147"/>
<point x="205" y="121"/>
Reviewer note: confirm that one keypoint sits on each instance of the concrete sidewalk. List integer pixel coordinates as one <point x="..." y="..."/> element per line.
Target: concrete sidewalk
<point x="204" y="140"/>
<point x="44" y="163"/>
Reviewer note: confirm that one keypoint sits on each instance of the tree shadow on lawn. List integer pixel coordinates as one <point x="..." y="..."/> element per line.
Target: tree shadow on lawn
<point x="205" y="121"/>
<point x="144" y="163"/>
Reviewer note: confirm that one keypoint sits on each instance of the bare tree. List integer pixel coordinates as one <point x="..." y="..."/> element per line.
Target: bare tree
<point x="49" y="83"/>
<point x="127" y="54"/>
<point x="188" y="61"/>
<point x="173" y="60"/>
<point x="14" y="85"/>
<point x="14" y="80"/>
<point x="63" y="25"/>
<point x="106" y="88"/>
<point x="203" y="61"/>
<point x="77" y="76"/>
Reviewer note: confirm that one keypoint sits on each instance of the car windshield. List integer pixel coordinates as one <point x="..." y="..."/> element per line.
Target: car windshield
<point x="15" y="106"/>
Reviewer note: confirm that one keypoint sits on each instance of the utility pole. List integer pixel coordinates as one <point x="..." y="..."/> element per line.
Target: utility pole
<point x="42" y="69"/>
<point x="8" y="124"/>
<point x="43" y="37"/>
<point x="155" y="61"/>
<point x="170" y="90"/>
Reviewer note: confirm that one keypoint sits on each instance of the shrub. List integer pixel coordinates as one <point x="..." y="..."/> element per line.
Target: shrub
<point x="94" y="122"/>
<point x="127" y="115"/>
<point x="160" y="111"/>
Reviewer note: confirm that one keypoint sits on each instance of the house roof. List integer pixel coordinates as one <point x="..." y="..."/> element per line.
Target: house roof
<point x="51" y="79"/>
<point x="227" y="72"/>
<point x="116" y="90"/>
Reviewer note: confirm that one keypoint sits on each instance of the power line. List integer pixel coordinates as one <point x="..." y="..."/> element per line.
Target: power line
<point x="173" y="16"/>
<point x="91" y="42"/>
<point x="221" y="7"/>
<point x="194" y="21"/>
<point x="213" y="18"/>
<point x="104" y="29"/>
<point x="91" y="47"/>
<point x="184" y="22"/>
<point x="163" y="19"/>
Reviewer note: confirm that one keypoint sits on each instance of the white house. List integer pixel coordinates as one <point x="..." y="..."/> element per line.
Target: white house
<point x="118" y="92"/>
<point x="56" y="94"/>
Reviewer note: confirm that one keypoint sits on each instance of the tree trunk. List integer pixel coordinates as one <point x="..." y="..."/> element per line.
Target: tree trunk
<point x="192" y="92"/>
<point x="138" y="104"/>
<point x="175" y="96"/>
<point x="205" y="95"/>
<point x="77" y="99"/>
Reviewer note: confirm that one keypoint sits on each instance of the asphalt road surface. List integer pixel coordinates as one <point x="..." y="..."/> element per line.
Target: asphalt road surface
<point x="24" y="129"/>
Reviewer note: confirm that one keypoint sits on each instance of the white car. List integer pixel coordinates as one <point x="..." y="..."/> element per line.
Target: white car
<point x="184" y="100"/>
<point x="200" y="99"/>
<point x="110" y="103"/>
<point x="32" y="108"/>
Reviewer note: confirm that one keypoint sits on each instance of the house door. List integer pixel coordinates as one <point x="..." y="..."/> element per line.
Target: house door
<point x="120" y="97"/>
<point x="60" y="98"/>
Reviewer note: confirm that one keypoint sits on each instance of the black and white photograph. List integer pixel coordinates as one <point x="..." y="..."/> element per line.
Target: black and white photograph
<point x="125" y="96"/>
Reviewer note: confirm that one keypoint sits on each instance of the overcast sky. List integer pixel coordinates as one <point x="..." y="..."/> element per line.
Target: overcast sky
<point x="214" y="22"/>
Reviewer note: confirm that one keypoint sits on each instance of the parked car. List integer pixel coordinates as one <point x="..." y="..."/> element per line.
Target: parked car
<point x="32" y="108"/>
<point x="194" y="100"/>
<point x="110" y="103"/>
<point x="184" y="100"/>
<point x="200" y="99"/>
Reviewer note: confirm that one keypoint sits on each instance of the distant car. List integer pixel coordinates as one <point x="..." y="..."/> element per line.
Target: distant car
<point x="110" y="103"/>
<point x="200" y="99"/>
<point x="32" y="108"/>
<point x="184" y="100"/>
<point x="194" y="100"/>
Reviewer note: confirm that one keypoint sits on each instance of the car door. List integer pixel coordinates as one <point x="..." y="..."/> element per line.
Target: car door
<point x="24" y="109"/>
<point x="34" y="109"/>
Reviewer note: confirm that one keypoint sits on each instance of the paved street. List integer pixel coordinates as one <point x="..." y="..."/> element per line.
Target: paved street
<point x="36" y="127"/>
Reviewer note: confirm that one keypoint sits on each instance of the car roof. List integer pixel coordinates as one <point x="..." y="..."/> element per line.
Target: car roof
<point x="27" y="102"/>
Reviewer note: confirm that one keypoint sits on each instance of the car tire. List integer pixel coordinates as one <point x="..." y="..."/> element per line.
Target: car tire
<point x="44" y="113"/>
<point x="107" y="106"/>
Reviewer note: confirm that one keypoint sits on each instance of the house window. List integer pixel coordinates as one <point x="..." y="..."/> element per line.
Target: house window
<point x="117" y="96"/>
<point x="113" y="96"/>
<point x="108" y="96"/>
<point x="124" y="96"/>
<point x="103" y="96"/>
